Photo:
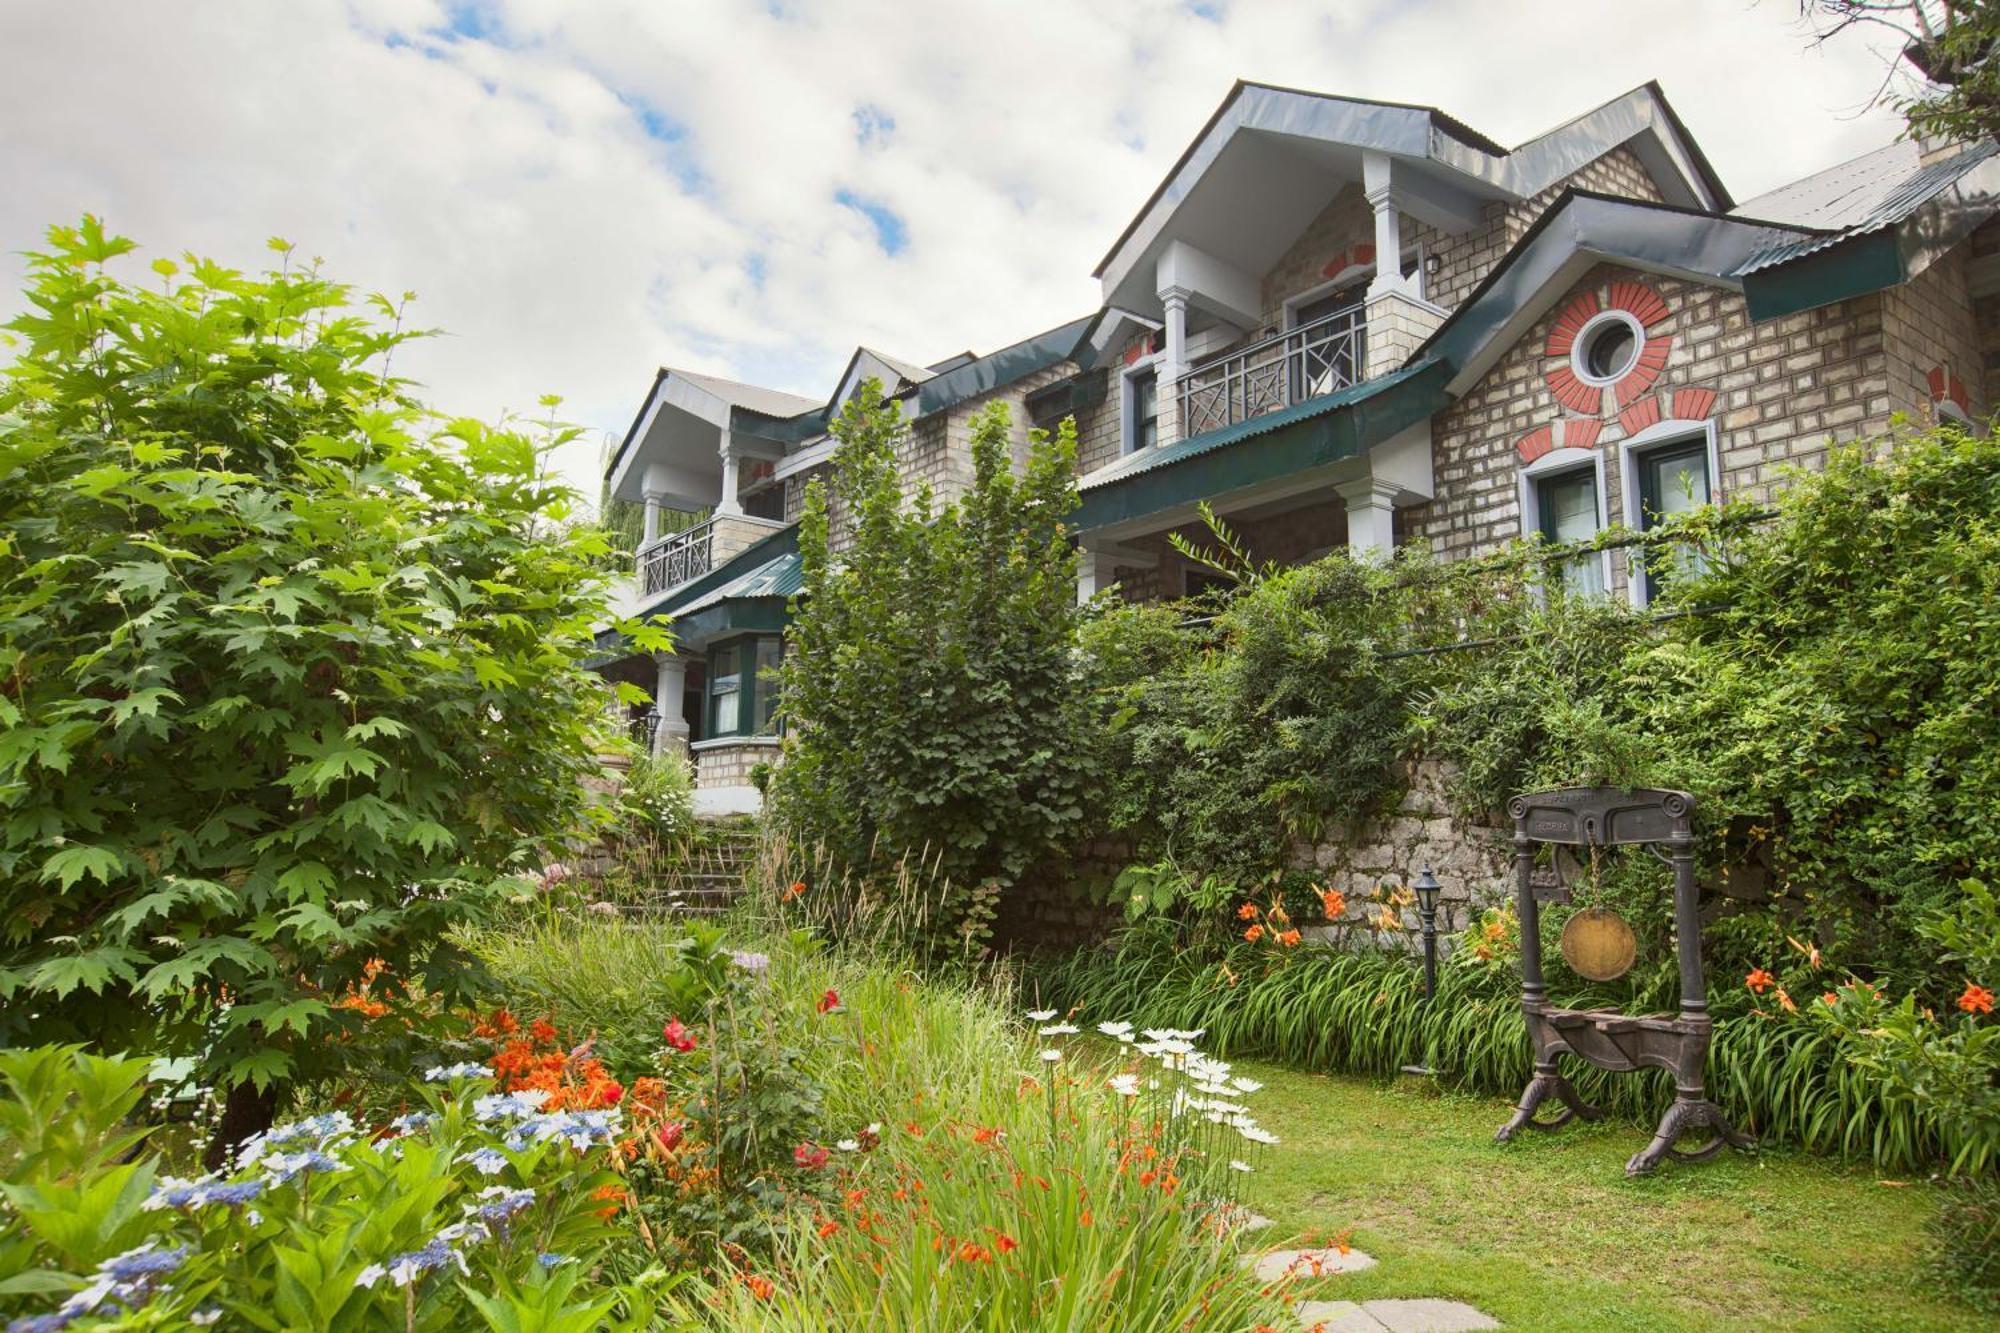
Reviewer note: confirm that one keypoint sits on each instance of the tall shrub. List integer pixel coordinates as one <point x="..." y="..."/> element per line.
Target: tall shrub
<point x="288" y="665"/>
<point x="931" y="689"/>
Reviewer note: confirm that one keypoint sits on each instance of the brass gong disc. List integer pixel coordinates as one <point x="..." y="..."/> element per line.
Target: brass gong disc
<point x="1598" y="945"/>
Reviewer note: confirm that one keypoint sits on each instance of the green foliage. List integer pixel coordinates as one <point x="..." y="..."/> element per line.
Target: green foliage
<point x="931" y="689"/>
<point x="289" y="668"/>
<point x="1791" y="1079"/>
<point x="462" y="1216"/>
<point x="656" y="800"/>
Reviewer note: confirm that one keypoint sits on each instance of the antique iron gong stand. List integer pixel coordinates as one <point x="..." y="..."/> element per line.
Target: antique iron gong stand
<point x="1598" y="817"/>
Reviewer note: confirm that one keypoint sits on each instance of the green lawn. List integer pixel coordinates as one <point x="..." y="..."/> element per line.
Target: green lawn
<point x="1547" y="1233"/>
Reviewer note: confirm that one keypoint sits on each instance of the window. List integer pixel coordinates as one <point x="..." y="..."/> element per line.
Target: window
<point x="770" y="656"/>
<point x="725" y="689"/>
<point x="1142" y="410"/>
<point x="1566" y="507"/>
<point x="743" y="686"/>
<point x="1606" y="347"/>
<point x="1671" y="479"/>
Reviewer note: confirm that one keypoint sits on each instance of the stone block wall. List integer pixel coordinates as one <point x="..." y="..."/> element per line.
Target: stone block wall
<point x="1472" y="860"/>
<point x="728" y="764"/>
<point x="1933" y="340"/>
<point x="1775" y="393"/>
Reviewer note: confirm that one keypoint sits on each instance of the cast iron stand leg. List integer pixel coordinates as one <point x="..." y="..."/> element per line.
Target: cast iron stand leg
<point x="1690" y="1111"/>
<point x="1546" y="1083"/>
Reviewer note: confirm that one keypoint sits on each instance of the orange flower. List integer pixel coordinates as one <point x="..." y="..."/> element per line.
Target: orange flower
<point x="1006" y="1242"/>
<point x="1332" y="902"/>
<point x="1760" y="981"/>
<point x="1289" y="938"/>
<point x="1084" y="1220"/>
<point x="542" y="1030"/>
<point x="1976" y="1000"/>
<point x="611" y="1196"/>
<point x="1829" y="999"/>
<point x="1247" y="912"/>
<point x="1254" y="934"/>
<point x="798" y="887"/>
<point x="1786" y="1001"/>
<point x="970" y="1253"/>
<point x="1279" y="915"/>
<point x="827" y="1229"/>
<point x="760" y="1287"/>
<point x="985" y="1135"/>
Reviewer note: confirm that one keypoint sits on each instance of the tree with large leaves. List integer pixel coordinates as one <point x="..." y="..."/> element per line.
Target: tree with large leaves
<point x="289" y="666"/>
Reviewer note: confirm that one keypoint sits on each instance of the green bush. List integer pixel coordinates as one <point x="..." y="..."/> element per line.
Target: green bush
<point x="930" y="686"/>
<point x="292" y="667"/>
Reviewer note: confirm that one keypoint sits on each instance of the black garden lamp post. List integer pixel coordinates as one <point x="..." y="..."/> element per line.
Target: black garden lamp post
<point x="1427" y="889"/>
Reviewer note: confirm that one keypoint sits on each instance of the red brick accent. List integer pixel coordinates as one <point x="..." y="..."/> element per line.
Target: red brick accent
<point x="1580" y="432"/>
<point x="1535" y="443"/>
<point x="1693" y="404"/>
<point x="1956" y="391"/>
<point x="1640" y="301"/>
<point x="1644" y="413"/>
<point x="1562" y="334"/>
<point x="1363" y="253"/>
<point x="1938" y="379"/>
<point x="1573" y="393"/>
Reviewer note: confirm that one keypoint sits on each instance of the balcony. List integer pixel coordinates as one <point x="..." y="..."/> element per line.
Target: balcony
<point x="1309" y="361"/>
<point x="681" y="557"/>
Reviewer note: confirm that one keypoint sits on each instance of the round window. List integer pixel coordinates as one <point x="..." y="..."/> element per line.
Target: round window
<point x="1606" y="347"/>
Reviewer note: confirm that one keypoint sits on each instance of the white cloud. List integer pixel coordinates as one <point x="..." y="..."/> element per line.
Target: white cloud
<point x="582" y="192"/>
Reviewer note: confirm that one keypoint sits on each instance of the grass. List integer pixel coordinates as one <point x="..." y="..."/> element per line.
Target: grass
<point x="1548" y="1233"/>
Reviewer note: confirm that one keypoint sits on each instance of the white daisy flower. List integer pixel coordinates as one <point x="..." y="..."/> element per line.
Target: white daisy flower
<point x="1058" y="1030"/>
<point x="1051" y="1056"/>
<point x="1041" y="1015"/>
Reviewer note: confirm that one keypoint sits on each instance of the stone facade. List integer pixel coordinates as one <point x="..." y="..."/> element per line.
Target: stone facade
<point x="1473" y="860"/>
<point x="727" y="762"/>
<point x="1774" y="394"/>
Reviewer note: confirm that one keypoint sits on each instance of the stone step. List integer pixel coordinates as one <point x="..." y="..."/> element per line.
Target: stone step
<point x="1428" y="1315"/>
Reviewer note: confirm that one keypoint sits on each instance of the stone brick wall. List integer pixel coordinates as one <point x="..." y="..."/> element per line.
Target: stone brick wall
<point x="1775" y="392"/>
<point x="1472" y="860"/>
<point x="1933" y="340"/>
<point x="729" y="765"/>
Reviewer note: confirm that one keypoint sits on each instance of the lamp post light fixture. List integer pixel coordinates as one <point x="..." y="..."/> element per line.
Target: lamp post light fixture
<point x="1427" y="907"/>
<point x="1427" y="889"/>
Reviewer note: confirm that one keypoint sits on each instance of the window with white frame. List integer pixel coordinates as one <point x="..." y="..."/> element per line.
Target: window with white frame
<point x="1142" y="409"/>
<point x="1665" y="477"/>
<point x="1562" y="498"/>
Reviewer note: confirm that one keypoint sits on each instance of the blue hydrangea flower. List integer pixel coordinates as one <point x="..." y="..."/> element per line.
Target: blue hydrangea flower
<point x="450" y="1073"/>
<point x="414" y="1121"/>
<point x="282" y="1167"/>
<point x="487" y="1161"/>
<point x="508" y="1106"/>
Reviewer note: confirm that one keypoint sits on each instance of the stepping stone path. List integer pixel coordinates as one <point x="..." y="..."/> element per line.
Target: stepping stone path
<point x="1396" y="1316"/>
<point x="1304" y="1264"/>
<point x="1420" y="1316"/>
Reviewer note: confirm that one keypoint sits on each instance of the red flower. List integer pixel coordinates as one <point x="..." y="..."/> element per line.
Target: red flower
<point x="1760" y="981"/>
<point x="1005" y="1242"/>
<point x="1976" y="1000"/>
<point x="678" y="1037"/>
<point x="669" y="1136"/>
<point x="810" y="1156"/>
<point x="798" y="887"/>
<point x="829" y="1002"/>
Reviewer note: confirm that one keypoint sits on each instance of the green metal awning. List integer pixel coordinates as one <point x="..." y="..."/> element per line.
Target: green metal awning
<point x="1308" y="434"/>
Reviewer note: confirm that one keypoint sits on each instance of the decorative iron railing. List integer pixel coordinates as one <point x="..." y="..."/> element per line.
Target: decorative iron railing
<point x="677" y="557"/>
<point x="1314" y="359"/>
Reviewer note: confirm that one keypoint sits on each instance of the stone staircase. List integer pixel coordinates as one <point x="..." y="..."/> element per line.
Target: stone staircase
<point x="710" y="877"/>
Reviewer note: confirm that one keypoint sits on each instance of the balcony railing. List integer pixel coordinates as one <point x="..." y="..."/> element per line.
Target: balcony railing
<point x="1319" y="358"/>
<point x="677" y="557"/>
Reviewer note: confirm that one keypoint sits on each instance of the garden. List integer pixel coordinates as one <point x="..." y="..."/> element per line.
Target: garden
<point x="332" y="996"/>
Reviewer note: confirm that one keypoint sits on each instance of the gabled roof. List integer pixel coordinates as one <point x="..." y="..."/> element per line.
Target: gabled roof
<point x="1440" y="143"/>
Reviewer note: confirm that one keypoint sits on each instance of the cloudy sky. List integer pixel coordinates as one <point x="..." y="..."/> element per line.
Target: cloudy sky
<point x="580" y="192"/>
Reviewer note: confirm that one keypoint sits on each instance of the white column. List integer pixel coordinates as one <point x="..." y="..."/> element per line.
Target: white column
<point x="1175" y="300"/>
<point x="668" y="690"/>
<point x="729" y="504"/>
<point x="654" y="501"/>
<point x="1093" y="574"/>
<point x="1371" y="517"/>
<point x="1375" y="180"/>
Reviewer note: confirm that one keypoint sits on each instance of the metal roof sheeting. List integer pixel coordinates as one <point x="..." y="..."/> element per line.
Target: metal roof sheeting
<point x="1859" y="197"/>
<point x="1146" y="460"/>
<point x="782" y="576"/>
